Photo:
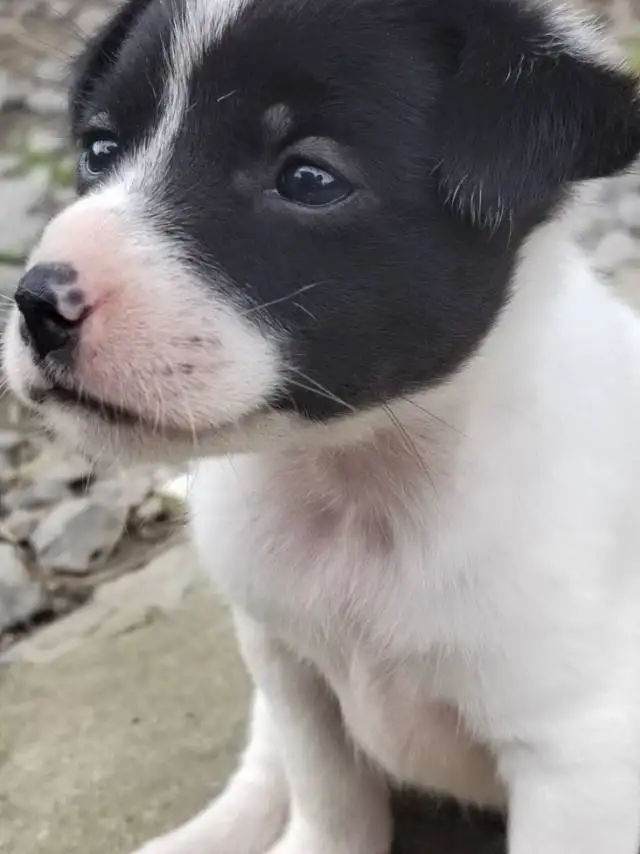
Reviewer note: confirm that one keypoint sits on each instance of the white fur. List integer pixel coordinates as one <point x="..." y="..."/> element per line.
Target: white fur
<point x="192" y="35"/>
<point x="469" y="621"/>
<point x="454" y="604"/>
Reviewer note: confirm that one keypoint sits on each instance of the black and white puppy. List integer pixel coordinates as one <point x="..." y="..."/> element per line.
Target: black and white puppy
<point x="325" y="237"/>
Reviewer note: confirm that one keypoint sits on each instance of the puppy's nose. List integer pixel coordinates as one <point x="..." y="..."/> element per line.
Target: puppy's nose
<point x="52" y="309"/>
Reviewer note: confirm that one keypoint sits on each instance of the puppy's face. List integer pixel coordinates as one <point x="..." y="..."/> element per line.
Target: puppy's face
<point x="295" y="211"/>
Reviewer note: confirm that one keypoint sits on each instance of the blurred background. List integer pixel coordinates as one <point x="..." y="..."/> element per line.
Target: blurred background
<point x="121" y="697"/>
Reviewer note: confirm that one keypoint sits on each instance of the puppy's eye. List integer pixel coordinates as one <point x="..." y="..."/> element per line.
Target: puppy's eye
<point x="311" y="185"/>
<point x="98" y="155"/>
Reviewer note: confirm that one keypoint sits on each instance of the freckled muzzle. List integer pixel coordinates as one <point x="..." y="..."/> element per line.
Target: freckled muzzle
<point x="111" y="324"/>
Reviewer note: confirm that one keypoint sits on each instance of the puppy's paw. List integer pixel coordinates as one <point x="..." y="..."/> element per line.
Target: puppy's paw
<point x="223" y="831"/>
<point x="303" y="839"/>
<point x="177" y="843"/>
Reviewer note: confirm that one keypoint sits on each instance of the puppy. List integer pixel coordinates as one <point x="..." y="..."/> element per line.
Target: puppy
<point x="322" y="244"/>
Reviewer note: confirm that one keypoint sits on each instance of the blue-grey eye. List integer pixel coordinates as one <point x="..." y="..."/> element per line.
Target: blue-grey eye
<point x="310" y="185"/>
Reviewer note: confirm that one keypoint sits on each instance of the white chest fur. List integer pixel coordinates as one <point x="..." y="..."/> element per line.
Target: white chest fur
<point x="326" y="576"/>
<point x="461" y="583"/>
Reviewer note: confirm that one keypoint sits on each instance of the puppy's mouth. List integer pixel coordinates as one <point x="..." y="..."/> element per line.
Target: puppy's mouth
<point x="119" y="416"/>
<point x="109" y="412"/>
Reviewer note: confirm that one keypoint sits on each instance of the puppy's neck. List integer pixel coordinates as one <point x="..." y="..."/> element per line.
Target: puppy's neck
<point x="421" y="435"/>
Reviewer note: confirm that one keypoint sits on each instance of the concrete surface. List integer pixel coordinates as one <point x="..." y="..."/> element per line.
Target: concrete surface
<point x="134" y="727"/>
<point x="123" y="737"/>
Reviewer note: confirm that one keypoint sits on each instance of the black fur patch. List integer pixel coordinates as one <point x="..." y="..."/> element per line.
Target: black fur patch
<point x="462" y="124"/>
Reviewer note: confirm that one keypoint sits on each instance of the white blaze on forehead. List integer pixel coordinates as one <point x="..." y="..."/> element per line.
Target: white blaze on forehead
<point x="197" y="26"/>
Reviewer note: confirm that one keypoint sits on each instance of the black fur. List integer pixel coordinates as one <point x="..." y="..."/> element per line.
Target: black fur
<point x="460" y="122"/>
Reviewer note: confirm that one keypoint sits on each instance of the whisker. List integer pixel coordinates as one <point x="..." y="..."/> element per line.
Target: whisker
<point x="224" y="97"/>
<point x="435" y="417"/>
<point x="306" y="311"/>
<point x="320" y="393"/>
<point x="286" y="298"/>
<point x="323" y="390"/>
<point x="82" y="35"/>
<point x="409" y="443"/>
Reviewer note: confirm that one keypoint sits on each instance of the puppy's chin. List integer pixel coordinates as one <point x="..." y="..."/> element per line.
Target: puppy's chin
<point x="259" y="432"/>
<point x="128" y="444"/>
<point x="109" y="433"/>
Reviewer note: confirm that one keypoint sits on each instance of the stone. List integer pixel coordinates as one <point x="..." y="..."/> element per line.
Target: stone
<point x="128" y="490"/>
<point x="47" y="101"/>
<point x="20" y="224"/>
<point x="38" y="494"/>
<point x="61" y="8"/>
<point x="77" y="534"/>
<point x="15" y="448"/>
<point x="118" y="607"/>
<point x="629" y="211"/>
<point x="63" y="197"/>
<point x="13" y="92"/>
<point x="21" y="598"/>
<point x="10" y="275"/>
<point x="11" y="441"/>
<point x="75" y="472"/>
<point x="179" y="486"/>
<point x="18" y="527"/>
<point x="41" y="141"/>
<point x="154" y="509"/>
<point x="91" y="19"/>
<point x="52" y="70"/>
<point x="615" y="249"/>
<point x="47" y="480"/>
<point x="626" y="283"/>
<point x="9" y="163"/>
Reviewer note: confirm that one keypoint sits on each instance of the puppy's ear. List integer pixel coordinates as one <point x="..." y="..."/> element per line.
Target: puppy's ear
<point x="530" y="104"/>
<point x="100" y="53"/>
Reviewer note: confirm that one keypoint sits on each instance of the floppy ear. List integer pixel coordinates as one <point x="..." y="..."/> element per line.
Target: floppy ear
<point x="530" y="105"/>
<point x="100" y="53"/>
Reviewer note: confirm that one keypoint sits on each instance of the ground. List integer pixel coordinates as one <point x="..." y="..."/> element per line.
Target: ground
<point x="122" y="698"/>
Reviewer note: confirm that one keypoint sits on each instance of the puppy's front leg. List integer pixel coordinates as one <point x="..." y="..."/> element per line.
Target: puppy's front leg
<point x="339" y="805"/>
<point x="557" y="806"/>
<point x="250" y="814"/>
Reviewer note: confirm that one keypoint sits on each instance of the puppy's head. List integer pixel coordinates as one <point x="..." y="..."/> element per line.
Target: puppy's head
<point x="296" y="210"/>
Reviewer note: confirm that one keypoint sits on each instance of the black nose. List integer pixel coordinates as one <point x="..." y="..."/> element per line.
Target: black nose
<point x="51" y="309"/>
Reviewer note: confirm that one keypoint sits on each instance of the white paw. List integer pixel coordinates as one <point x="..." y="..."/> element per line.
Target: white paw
<point x="303" y="839"/>
<point x="230" y="826"/>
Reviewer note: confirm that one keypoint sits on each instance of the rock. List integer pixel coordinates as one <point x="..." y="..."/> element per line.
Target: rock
<point x="41" y="141"/>
<point x="629" y="211"/>
<point x="15" y="448"/>
<point x="129" y="490"/>
<point x="52" y="70"/>
<point x="21" y="598"/>
<point x="47" y="102"/>
<point x="615" y="249"/>
<point x="626" y="283"/>
<point x="91" y="19"/>
<point x="76" y="472"/>
<point x="77" y="534"/>
<point x="9" y="163"/>
<point x="61" y="8"/>
<point x="118" y="607"/>
<point x="179" y="486"/>
<point x="63" y="197"/>
<point x="20" y="225"/>
<point x="19" y="526"/>
<point x="9" y="277"/>
<point x="153" y="510"/>
<point x="38" y="494"/>
<point x="12" y="92"/>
